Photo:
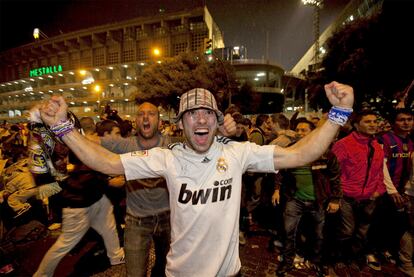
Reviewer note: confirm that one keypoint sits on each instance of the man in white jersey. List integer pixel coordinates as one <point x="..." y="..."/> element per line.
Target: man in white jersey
<point x="203" y="174"/>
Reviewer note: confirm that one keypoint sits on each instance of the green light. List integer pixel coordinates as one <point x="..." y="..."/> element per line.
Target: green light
<point x="45" y="70"/>
<point x="208" y="46"/>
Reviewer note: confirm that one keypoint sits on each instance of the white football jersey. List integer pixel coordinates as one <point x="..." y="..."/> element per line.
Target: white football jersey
<point x="205" y="194"/>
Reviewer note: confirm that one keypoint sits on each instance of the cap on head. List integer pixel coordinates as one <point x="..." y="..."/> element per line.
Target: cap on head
<point x="199" y="98"/>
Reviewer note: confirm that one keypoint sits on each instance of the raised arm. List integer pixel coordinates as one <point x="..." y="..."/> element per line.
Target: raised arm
<point x="228" y="128"/>
<point x="54" y="114"/>
<point x="312" y="146"/>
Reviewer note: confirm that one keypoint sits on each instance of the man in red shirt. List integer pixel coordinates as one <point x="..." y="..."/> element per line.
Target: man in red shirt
<point x="361" y="160"/>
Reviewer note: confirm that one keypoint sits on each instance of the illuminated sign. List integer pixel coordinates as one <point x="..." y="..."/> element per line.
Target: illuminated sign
<point x="45" y="70"/>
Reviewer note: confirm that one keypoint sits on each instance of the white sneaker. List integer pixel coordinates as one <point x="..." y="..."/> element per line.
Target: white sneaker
<point x="373" y="263"/>
<point x="278" y="243"/>
<point x="298" y="259"/>
<point x="54" y="226"/>
<point x="26" y="207"/>
<point x="6" y="269"/>
<point x="120" y="261"/>
<point x="299" y="262"/>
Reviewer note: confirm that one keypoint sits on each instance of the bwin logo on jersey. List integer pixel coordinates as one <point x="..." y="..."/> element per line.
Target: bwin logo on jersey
<point x="220" y="192"/>
<point x="221" y="165"/>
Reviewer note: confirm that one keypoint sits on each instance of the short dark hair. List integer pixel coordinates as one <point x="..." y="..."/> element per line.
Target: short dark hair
<point x="247" y="122"/>
<point x="238" y="117"/>
<point x="105" y="126"/>
<point x="126" y="127"/>
<point x="260" y="119"/>
<point x="232" y="109"/>
<point x="304" y="120"/>
<point x="281" y="119"/>
<point x="398" y="111"/>
<point x="15" y="128"/>
<point x="357" y="116"/>
<point x="87" y="124"/>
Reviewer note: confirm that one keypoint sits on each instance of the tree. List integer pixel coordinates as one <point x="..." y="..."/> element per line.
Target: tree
<point x="247" y="99"/>
<point x="373" y="54"/>
<point x="165" y="82"/>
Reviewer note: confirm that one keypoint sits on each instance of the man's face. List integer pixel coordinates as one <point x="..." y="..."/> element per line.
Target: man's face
<point x="403" y="123"/>
<point x="239" y="129"/>
<point x="267" y="126"/>
<point x="274" y="126"/>
<point x="199" y="126"/>
<point x="147" y="120"/>
<point x="368" y="125"/>
<point x="115" y="133"/>
<point x="303" y="129"/>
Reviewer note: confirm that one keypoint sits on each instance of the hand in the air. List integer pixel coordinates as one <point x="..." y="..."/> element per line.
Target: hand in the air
<point x="228" y="128"/>
<point x="340" y="95"/>
<point x="54" y="110"/>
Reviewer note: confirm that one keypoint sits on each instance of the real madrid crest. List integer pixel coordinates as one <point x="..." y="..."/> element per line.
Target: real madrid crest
<point x="221" y="165"/>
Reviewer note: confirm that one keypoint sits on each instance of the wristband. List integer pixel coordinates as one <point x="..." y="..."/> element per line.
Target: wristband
<point x="62" y="128"/>
<point x="338" y="115"/>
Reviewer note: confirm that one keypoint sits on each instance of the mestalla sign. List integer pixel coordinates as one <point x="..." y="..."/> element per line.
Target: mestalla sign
<point x="45" y="70"/>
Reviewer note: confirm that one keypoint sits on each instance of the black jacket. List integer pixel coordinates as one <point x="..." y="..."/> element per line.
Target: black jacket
<point x="326" y="179"/>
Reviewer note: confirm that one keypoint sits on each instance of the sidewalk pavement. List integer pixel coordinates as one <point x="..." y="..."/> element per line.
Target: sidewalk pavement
<point x="89" y="259"/>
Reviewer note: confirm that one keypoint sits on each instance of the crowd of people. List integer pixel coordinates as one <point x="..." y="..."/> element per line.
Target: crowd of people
<point x="351" y="207"/>
<point x="192" y="188"/>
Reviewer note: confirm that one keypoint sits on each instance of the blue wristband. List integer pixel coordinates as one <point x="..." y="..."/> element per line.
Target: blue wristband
<point x="338" y="115"/>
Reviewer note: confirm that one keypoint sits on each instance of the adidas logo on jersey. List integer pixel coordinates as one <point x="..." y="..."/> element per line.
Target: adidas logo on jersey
<point x="221" y="191"/>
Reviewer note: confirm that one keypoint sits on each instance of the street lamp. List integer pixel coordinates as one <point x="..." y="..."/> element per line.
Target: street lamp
<point x="37" y="33"/>
<point x="156" y="52"/>
<point x="317" y="6"/>
<point x="97" y="89"/>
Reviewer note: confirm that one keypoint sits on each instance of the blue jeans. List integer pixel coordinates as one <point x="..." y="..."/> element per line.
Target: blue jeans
<point x="139" y="232"/>
<point x="406" y="250"/>
<point x="294" y="211"/>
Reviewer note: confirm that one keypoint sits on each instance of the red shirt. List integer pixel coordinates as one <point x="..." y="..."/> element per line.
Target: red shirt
<point x="352" y="153"/>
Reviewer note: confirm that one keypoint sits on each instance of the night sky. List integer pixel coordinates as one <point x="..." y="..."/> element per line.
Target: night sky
<point x="288" y="23"/>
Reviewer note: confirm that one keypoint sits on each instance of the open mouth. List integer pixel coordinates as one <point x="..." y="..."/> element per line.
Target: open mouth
<point x="201" y="135"/>
<point x="146" y="126"/>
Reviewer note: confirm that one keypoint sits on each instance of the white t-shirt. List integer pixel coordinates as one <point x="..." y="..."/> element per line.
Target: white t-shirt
<point x="205" y="193"/>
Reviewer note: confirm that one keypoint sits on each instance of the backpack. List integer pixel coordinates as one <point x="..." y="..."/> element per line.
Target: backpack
<point x="260" y="132"/>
